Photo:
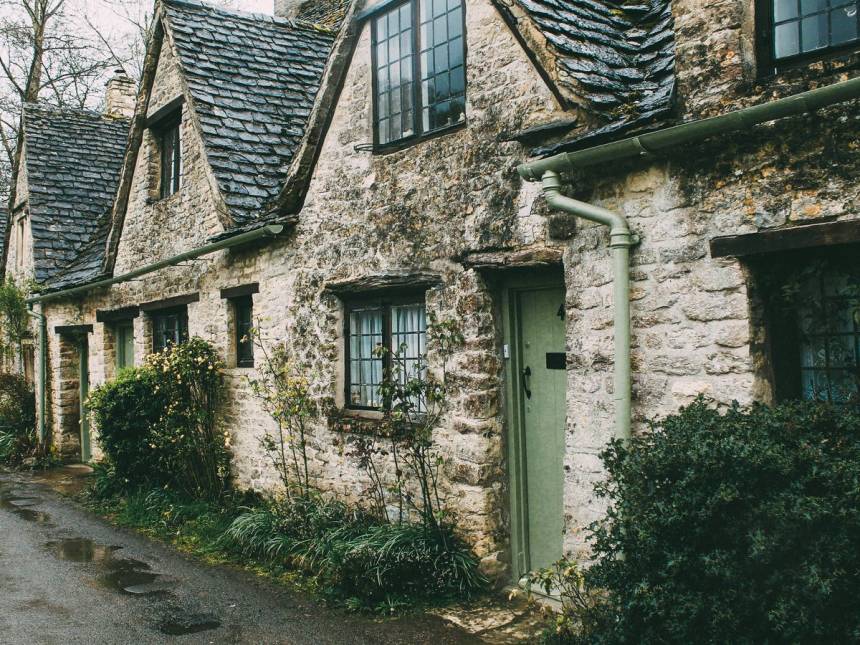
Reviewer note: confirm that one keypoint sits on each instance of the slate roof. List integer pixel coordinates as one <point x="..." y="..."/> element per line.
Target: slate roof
<point x="614" y="58"/>
<point x="326" y="13"/>
<point x="253" y="79"/>
<point x="73" y="160"/>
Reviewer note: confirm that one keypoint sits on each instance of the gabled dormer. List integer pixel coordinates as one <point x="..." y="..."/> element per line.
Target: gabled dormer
<point x="225" y="103"/>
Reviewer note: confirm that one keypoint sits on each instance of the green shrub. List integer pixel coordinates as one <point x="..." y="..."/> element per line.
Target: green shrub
<point x="126" y="412"/>
<point x="17" y="419"/>
<point x="740" y="527"/>
<point x="157" y="423"/>
<point x="375" y="565"/>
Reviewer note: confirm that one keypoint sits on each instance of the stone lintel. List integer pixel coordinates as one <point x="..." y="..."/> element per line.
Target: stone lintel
<point x="384" y="282"/>
<point x="513" y="259"/>
<point x="70" y="330"/>
<point x="786" y="239"/>
<point x="167" y="303"/>
<point x="241" y="291"/>
<point x="115" y="315"/>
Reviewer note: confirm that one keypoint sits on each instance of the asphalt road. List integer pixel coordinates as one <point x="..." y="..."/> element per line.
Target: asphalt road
<point x="68" y="577"/>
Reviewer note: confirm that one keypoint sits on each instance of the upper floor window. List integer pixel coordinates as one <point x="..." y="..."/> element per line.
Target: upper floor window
<point x="384" y="340"/>
<point x="170" y="155"/>
<point x="419" y="70"/>
<point x="20" y="246"/>
<point x="169" y="327"/>
<point x="798" y="29"/>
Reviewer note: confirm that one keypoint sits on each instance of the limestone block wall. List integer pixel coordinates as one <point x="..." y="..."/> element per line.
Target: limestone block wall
<point x="425" y="207"/>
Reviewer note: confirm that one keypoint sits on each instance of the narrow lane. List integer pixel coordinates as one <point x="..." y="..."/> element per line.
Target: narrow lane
<point x="68" y="577"/>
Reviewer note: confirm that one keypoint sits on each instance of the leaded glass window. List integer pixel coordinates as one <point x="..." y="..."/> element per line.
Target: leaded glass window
<point x="805" y="26"/>
<point x="365" y="360"/>
<point x="169" y="327"/>
<point x="419" y="69"/>
<point x="828" y="320"/>
<point x="170" y="147"/>
<point x="401" y="329"/>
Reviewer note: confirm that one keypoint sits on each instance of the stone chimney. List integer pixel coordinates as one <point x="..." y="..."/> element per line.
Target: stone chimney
<point x="121" y="95"/>
<point x="288" y="8"/>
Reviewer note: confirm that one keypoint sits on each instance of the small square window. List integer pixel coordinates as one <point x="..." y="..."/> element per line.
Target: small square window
<point x="169" y="327"/>
<point x="400" y="328"/>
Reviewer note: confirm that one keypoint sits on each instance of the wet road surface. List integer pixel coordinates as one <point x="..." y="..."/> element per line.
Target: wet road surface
<point x="68" y="577"/>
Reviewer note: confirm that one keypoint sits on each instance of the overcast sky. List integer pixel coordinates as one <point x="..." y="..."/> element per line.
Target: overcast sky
<point x="116" y="16"/>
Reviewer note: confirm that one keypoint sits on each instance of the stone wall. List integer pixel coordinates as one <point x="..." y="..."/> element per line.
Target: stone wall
<point x="425" y="207"/>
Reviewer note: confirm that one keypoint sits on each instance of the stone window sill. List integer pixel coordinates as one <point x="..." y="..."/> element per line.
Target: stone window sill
<point x="349" y="421"/>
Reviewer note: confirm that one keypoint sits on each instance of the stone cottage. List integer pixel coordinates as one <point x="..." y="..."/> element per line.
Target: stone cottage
<point x="341" y="174"/>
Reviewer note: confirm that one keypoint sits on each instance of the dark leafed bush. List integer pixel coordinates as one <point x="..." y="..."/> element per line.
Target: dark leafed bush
<point x="157" y="424"/>
<point x="17" y="419"/>
<point x="740" y="527"/>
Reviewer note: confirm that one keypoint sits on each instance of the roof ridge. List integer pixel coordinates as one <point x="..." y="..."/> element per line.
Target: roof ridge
<point x="47" y="108"/>
<point x="250" y="15"/>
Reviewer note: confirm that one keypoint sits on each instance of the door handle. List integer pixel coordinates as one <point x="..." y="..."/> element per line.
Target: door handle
<point x="526" y="373"/>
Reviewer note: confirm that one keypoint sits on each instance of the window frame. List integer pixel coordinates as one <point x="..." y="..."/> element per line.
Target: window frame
<point x="783" y="334"/>
<point x="769" y="64"/>
<point x="154" y="315"/>
<point x="417" y="105"/>
<point x="237" y="303"/>
<point x="20" y="229"/>
<point x="386" y="304"/>
<point x="169" y="183"/>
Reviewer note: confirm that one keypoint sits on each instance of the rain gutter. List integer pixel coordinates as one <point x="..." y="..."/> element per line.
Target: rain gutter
<point x="270" y="230"/>
<point x="621" y="239"/>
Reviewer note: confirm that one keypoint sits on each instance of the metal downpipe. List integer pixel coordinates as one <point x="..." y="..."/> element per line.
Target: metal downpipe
<point x="621" y="239"/>
<point x="43" y="370"/>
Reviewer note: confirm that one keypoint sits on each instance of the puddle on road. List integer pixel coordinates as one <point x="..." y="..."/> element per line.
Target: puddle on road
<point x="66" y="480"/>
<point x="125" y="575"/>
<point x="81" y="550"/>
<point x="188" y="624"/>
<point x="19" y="505"/>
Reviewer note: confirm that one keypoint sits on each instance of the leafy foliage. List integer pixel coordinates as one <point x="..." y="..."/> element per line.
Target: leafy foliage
<point x="355" y="556"/>
<point x="739" y="527"/>
<point x="17" y="419"/>
<point x="284" y="392"/>
<point x="417" y="400"/>
<point x="13" y="318"/>
<point x="157" y="423"/>
<point x="583" y="610"/>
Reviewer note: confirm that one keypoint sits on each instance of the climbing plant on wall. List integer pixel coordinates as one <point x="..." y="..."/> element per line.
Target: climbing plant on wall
<point x="13" y="318"/>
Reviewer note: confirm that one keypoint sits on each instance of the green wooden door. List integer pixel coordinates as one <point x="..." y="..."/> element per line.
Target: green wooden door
<point x="84" y="381"/>
<point x="537" y="416"/>
<point x="124" y="345"/>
